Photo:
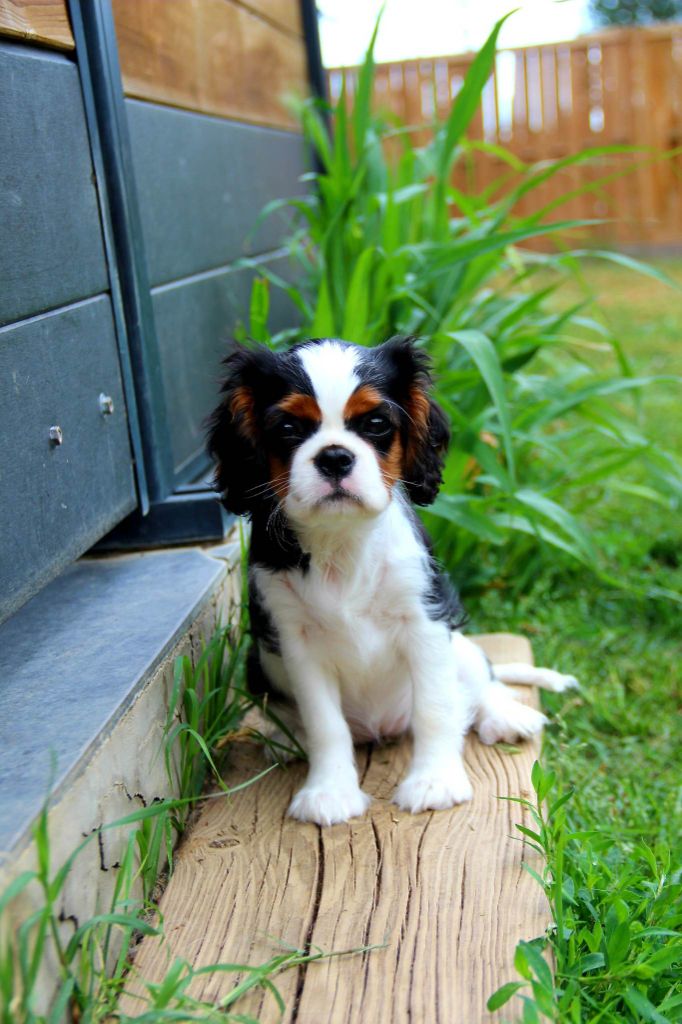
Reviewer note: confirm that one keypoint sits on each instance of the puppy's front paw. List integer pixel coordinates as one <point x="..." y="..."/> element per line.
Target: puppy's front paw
<point x="329" y="805"/>
<point x="433" y="791"/>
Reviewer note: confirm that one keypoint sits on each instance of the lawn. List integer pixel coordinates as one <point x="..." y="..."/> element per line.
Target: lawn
<point x="618" y="741"/>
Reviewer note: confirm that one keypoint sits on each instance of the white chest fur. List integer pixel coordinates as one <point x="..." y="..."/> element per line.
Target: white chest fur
<point x="355" y="613"/>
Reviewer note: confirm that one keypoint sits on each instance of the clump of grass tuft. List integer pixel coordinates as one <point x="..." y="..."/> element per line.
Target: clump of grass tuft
<point x="170" y="1000"/>
<point x="616" y="938"/>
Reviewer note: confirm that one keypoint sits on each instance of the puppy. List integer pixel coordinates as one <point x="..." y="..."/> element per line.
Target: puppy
<point x="356" y="631"/>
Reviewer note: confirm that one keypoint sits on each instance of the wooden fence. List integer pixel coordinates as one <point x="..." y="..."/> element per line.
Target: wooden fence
<point x="620" y="87"/>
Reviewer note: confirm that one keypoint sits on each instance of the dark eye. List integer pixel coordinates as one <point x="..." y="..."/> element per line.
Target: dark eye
<point x="376" y="425"/>
<point x="290" y="429"/>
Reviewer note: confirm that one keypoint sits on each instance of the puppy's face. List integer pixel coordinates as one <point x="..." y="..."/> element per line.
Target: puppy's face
<point x="327" y="430"/>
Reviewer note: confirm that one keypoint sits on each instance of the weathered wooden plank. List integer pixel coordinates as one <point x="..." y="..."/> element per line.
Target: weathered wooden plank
<point x="52" y="251"/>
<point x="56" y="500"/>
<point x="213" y="56"/>
<point x="194" y="320"/>
<point x="200" y="213"/>
<point x="445" y="893"/>
<point x="37" y="21"/>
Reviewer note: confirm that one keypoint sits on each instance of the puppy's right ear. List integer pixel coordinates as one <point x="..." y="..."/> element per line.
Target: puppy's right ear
<point x="234" y="435"/>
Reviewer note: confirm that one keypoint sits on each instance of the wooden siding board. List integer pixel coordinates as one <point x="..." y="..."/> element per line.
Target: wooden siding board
<point x="52" y="251"/>
<point x="212" y="56"/>
<point x="285" y="13"/>
<point x="194" y="321"/>
<point x="37" y="21"/>
<point x="202" y="182"/>
<point x="57" y="500"/>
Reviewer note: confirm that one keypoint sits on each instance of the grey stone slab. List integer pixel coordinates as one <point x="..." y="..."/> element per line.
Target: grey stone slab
<point x="194" y="320"/>
<point x="56" y="500"/>
<point x="73" y="659"/>
<point x="202" y="182"/>
<point x="52" y="251"/>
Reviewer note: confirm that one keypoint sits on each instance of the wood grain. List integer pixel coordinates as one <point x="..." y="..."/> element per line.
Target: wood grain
<point x="39" y="21"/>
<point x="214" y="56"/>
<point x="285" y="13"/>
<point x="444" y="894"/>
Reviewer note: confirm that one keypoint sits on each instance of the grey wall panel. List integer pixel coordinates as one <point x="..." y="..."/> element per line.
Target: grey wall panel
<point x="51" y="250"/>
<point x="56" y="500"/>
<point x="202" y="182"/>
<point x="194" y="321"/>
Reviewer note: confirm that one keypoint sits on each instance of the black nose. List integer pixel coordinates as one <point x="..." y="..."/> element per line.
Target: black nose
<point x="334" y="462"/>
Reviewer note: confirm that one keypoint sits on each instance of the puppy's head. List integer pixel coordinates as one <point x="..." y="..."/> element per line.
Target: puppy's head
<point x="327" y="429"/>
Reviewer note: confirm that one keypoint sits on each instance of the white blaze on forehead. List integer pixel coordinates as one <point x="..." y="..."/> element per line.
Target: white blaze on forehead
<point x="332" y="369"/>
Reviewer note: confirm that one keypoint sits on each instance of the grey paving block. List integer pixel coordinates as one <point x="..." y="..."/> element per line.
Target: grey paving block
<point x="74" y="658"/>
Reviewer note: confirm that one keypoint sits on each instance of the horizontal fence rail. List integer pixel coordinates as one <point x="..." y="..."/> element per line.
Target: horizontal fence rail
<point x="621" y="87"/>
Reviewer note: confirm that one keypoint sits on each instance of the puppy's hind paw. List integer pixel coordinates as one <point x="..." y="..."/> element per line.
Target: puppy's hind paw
<point x="510" y="722"/>
<point x="557" y="682"/>
<point x="425" y="791"/>
<point x="329" y="805"/>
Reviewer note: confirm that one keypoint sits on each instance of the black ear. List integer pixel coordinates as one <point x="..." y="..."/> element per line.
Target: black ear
<point x="427" y="430"/>
<point x="234" y="435"/>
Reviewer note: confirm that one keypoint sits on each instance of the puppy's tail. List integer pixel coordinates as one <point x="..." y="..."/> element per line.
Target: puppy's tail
<point x="545" y="678"/>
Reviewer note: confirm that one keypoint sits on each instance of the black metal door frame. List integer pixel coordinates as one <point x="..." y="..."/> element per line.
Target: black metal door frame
<point x="168" y="513"/>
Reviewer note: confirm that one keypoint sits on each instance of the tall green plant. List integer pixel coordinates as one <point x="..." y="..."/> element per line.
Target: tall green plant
<point x="386" y="244"/>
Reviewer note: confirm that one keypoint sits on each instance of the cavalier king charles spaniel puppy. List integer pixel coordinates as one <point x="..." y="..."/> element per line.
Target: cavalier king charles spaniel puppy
<point x="355" y="629"/>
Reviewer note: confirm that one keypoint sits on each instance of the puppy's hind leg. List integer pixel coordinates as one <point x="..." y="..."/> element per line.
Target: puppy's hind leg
<point x="498" y="714"/>
<point x="502" y="718"/>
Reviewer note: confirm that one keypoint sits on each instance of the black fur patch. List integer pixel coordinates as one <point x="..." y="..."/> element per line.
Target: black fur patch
<point x="441" y="598"/>
<point x="258" y="682"/>
<point x="401" y="371"/>
<point x="242" y="470"/>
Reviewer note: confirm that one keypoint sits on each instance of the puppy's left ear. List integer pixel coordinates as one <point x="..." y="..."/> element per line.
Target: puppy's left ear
<point x="233" y="434"/>
<point x="427" y="431"/>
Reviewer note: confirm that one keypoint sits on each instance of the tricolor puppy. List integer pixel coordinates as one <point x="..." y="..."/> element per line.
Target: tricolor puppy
<point x="355" y="628"/>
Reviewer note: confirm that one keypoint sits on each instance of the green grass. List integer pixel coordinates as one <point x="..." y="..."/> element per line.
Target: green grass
<point x="617" y="742"/>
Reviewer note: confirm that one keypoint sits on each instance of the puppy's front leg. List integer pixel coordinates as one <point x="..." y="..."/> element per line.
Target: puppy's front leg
<point x="441" y="716"/>
<point x="331" y="792"/>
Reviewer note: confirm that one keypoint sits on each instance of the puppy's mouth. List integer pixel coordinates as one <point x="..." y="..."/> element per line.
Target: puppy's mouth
<point x="339" y="496"/>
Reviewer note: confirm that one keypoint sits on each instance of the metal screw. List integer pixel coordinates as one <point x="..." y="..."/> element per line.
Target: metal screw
<point x="106" y="404"/>
<point x="56" y="435"/>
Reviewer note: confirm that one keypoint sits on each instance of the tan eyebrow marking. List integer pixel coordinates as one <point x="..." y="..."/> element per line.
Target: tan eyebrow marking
<point x="301" y="405"/>
<point x="364" y="399"/>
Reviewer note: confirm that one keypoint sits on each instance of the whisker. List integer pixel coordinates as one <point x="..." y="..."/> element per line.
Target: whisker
<point x="268" y="485"/>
